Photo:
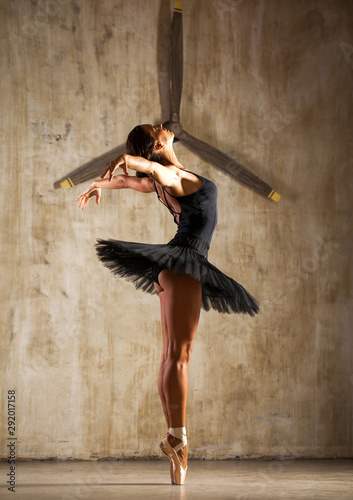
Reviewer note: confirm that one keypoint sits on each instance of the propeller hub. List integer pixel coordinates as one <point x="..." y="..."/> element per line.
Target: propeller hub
<point x="176" y="128"/>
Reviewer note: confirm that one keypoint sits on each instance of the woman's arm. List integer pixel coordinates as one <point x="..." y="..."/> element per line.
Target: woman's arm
<point x="156" y="171"/>
<point x="143" y="184"/>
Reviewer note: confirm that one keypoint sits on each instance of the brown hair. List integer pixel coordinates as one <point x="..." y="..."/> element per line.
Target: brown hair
<point x="140" y="143"/>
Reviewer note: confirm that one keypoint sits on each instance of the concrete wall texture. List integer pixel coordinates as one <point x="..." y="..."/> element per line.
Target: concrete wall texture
<point x="269" y="82"/>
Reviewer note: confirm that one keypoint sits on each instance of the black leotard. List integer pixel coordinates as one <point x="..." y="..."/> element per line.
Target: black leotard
<point x="198" y="211"/>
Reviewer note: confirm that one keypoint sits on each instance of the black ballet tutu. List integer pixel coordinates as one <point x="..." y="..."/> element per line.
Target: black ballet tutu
<point x="186" y="253"/>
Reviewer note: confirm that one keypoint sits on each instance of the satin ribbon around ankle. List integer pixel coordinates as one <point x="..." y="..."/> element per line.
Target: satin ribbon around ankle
<point x="179" y="433"/>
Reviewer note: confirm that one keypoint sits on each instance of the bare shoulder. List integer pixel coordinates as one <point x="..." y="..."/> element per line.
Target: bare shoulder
<point x="188" y="183"/>
<point x="142" y="184"/>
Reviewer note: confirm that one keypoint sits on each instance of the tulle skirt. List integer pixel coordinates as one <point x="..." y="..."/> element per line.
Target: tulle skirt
<point x="186" y="253"/>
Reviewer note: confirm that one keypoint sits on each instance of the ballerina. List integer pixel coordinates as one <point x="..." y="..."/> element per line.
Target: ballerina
<point x="178" y="271"/>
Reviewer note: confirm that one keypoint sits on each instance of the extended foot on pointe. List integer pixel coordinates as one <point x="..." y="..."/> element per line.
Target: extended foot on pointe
<point x="183" y="453"/>
<point x="176" y="449"/>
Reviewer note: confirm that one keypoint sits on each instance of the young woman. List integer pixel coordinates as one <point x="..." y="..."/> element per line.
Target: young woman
<point x="178" y="271"/>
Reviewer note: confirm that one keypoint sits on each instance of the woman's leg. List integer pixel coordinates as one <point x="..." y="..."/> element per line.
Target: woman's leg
<point x="164" y="353"/>
<point x="162" y="365"/>
<point x="182" y="305"/>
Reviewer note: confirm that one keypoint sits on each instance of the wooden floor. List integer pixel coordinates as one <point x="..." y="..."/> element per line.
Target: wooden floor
<point x="135" y="479"/>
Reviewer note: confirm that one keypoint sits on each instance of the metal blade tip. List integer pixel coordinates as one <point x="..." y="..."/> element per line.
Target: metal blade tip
<point x="178" y="6"/>
<point x="274" y="195"/>
<point x="67" y="183"/>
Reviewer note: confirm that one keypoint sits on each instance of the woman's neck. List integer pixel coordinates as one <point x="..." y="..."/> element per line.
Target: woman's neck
<point x="168" y="157"/>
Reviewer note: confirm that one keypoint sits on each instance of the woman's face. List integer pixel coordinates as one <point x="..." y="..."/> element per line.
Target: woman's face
<point x="159" y="133"/>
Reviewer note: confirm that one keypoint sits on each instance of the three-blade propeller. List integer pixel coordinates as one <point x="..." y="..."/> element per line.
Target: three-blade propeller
<point x="206" y="151"/>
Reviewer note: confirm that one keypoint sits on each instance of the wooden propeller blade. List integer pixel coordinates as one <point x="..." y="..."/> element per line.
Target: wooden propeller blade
<point x="163" y="57"/>
<point x="176" y="62"/>
<point x="224" y="162"/>
<point x="90" y="169"/>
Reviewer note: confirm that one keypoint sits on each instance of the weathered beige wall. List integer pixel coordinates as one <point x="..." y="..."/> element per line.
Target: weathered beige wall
<point x="270" y="83"/>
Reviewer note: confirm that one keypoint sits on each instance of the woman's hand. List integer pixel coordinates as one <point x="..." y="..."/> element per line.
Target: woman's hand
<point x="120" y="161"/>
<point x="84" y="198"/>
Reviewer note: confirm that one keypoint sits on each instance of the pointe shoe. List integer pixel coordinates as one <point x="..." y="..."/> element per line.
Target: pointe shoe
<point x="179" y="471"/>
<point x="172" y="480"/>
